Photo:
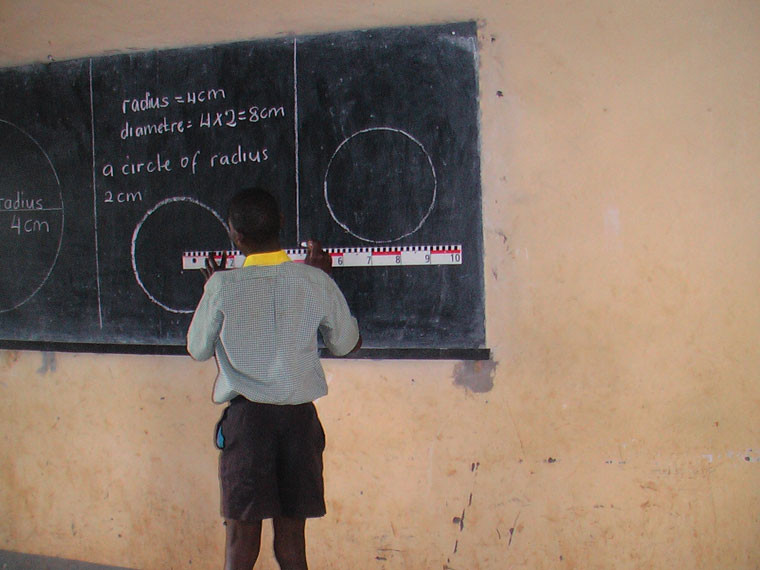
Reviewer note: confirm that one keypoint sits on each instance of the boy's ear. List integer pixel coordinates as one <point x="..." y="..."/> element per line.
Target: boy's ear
<point x="235" y="236"/>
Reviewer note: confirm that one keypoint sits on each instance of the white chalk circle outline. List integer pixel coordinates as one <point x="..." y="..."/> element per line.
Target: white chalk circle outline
<point x="432" y="171"/>
<point x="138" y="227"/>
<point x="60" y="199"/>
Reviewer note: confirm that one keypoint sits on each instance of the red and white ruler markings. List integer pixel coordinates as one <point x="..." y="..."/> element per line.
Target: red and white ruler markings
<point x="349" y="256"/>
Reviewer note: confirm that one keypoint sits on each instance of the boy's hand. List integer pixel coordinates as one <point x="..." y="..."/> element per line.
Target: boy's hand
<point x="317" y="257"/>
<point x="212" y="266"/>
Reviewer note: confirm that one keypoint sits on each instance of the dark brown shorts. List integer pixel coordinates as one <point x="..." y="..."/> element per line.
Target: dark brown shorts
<point x="271" y="464"/>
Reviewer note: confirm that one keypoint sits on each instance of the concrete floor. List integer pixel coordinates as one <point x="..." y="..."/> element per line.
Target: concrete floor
<point x="19" y="561"/>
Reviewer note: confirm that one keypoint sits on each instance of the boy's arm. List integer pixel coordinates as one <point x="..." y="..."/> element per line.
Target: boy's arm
<point x="340" y="330"/>
<point x="204" y="328"/>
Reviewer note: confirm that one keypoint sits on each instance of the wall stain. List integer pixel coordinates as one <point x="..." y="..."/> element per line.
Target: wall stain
<point x="475" y="375"/>
<point x="8" y="358"/>
<point x="48" y="363"/>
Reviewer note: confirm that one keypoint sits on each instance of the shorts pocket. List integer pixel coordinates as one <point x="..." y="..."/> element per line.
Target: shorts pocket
<point x="218" y="433"/>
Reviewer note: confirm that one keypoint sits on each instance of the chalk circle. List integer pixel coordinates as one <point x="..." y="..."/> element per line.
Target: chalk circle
<point x="172" y="227"/>
<point x="31" y="216"/>
<point x="380" y="185"/>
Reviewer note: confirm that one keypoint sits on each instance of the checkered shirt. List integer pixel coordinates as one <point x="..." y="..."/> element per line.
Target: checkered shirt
<point x="261" y="322"/>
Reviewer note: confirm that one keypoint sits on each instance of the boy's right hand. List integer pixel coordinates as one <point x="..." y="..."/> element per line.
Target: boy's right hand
<point x="212" y="266"/>
<point x="318" y="257"/>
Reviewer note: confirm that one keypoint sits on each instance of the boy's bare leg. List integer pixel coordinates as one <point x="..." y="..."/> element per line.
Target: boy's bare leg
<point x="242" y="545"/>
<point x="290" y="543"/>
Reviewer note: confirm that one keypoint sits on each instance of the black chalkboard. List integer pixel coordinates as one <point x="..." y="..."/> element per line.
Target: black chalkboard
<point x="112" y="167"/>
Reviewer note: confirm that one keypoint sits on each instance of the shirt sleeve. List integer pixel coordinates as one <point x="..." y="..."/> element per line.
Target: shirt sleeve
<point x="205" y="326"/>
<point x="339" y="328"/>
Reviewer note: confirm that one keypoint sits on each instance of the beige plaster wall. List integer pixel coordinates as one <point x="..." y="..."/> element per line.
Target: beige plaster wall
<point x="618" y="424"/>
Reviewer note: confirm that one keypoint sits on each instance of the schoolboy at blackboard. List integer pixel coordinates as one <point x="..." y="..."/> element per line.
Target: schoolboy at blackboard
<point x="261" y="323"/>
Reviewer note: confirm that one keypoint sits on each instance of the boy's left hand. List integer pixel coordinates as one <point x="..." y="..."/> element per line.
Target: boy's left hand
<point x="212" y="266"/>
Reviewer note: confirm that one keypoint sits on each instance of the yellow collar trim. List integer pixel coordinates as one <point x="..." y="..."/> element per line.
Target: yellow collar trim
<point x="269" y="258"/>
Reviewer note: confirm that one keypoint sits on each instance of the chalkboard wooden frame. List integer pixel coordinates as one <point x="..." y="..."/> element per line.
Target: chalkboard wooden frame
<point x="174" y="350"/>
<point x="110" y="164"/>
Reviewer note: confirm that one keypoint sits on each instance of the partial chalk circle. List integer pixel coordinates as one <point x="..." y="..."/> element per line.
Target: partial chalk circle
<point x="160" y="237"/>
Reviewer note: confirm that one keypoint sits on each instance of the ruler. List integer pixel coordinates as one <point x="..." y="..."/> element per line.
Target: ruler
<point x="347" y="256"/>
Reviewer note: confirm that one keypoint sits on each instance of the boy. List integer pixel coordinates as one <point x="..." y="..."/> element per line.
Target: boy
<point x="261" y="322"/>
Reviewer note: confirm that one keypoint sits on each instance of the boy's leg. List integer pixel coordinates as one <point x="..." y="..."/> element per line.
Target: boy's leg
<point x="290" y="543"/>
<point x="242" y="545"/>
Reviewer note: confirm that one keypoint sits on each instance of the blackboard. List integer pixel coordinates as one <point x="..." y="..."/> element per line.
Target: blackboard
<point x="111" y="167"/>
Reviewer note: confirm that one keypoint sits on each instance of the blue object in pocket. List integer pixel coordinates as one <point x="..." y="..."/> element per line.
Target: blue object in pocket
<point x="218" y="435"/>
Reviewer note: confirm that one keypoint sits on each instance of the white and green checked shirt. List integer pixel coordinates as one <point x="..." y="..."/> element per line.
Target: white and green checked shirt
<point x="261" y="322"/>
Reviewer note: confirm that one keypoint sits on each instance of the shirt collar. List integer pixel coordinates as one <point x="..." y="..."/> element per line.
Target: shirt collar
<point x="269" y="258"/>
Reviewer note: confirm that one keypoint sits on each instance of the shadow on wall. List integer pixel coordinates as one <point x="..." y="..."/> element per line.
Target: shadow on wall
<point x="19" y="561"/>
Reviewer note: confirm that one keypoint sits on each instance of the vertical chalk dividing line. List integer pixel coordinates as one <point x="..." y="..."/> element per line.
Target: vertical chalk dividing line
<point x="295" y="135"/>
<point x="95" y="201"/>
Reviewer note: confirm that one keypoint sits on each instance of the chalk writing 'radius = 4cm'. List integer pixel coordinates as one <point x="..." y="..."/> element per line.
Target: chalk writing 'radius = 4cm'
<point x="150" y="102"/>
<point x="347" y="256"/>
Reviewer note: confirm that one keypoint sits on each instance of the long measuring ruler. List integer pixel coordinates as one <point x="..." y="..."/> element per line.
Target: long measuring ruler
<point x="348" y="256"/>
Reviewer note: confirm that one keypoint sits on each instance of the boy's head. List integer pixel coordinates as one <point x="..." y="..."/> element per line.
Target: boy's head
<point x="255" y="216"/>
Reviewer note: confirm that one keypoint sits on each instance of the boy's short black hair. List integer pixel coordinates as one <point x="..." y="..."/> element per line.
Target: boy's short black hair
<point x="255" y="214"/>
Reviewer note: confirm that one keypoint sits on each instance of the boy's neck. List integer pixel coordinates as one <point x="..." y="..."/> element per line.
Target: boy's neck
<point x="251" y="249"/>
